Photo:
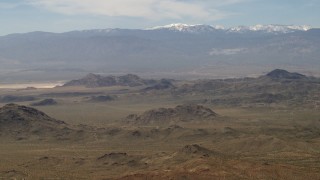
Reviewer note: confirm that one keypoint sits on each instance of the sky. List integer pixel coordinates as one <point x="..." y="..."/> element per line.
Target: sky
<point x="20" y="16"/>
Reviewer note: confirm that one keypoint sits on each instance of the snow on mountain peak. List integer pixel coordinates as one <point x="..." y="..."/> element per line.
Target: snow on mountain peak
<point x="271" y="28"/>
<point x="199" y="28"/>
<point x="177" y="26"/>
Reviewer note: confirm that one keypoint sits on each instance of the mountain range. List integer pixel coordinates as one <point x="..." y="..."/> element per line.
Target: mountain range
<point x="172" y="51"/>
<point x="94" y="80"/>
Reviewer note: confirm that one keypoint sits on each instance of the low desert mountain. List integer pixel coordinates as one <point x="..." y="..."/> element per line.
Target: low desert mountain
<point x="163" y="84"/>
<point x="94" y="80"/>
<point x="131" y="80"/>
<point x="283" y="74"/>
<point x="181" y="113"/>
<point x="45" y="102"/>
<point x="22" y="122"/>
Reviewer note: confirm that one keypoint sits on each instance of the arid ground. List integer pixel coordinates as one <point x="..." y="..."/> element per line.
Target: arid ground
<point x="251" y="128"/>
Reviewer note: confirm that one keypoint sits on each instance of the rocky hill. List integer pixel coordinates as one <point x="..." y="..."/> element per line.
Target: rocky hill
<point x="283" y="74"/>
<point x="45" y="102"/>
<point x="94" y="80"/>
<point x="181" y="113"/>
<point x="163" y="84"/>
<point x="23" y="122"/>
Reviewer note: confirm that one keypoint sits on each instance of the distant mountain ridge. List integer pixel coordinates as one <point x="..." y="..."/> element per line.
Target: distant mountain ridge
<point x="166" y="52"/>
<point x="94" y="80"/>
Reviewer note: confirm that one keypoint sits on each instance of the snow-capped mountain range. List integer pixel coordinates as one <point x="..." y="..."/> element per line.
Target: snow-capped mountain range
<point x="200" y="28"/>
<point x="171" y="48"/>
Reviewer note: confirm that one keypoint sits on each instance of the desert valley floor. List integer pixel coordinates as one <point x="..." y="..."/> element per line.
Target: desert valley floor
<point x="132" y="128"/>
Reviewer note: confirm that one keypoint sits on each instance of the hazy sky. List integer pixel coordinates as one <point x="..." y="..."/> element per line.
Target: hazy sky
<point x="65" y="15"/>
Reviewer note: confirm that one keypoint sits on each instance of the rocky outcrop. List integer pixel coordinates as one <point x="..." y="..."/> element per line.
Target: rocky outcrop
<point x="45" y="102"/>
<point x="163" y="84"/>
<point x="181" y="113"/>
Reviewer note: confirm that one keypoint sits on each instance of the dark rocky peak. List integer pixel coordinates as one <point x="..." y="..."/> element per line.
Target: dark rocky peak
<point x="13" y="113"/>
<point x="24" y="123"/>
<point x="283" y="74"/>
